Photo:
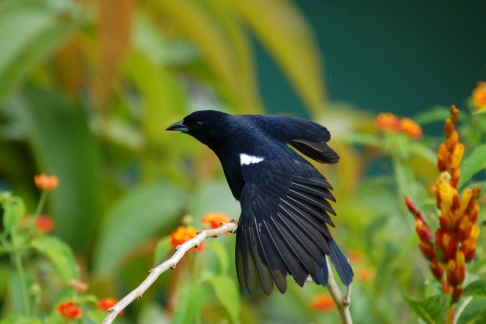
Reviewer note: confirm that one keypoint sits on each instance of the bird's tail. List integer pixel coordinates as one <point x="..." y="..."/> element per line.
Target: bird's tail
<point x="341" y="264"/>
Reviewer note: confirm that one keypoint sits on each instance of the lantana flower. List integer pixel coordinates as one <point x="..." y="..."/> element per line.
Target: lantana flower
<point x="183" y="234"/>
<point x="69" y="310"/>
<point x="46" y="182"/>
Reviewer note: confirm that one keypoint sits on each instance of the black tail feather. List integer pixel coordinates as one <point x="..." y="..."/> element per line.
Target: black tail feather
<point x="341" y="264"/>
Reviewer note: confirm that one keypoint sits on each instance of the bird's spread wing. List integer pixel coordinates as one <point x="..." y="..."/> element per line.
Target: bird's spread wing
<point x="282" y="228"/>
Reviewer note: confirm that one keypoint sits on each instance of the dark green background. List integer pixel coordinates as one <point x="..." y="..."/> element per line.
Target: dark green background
<point x="397" y="56"/>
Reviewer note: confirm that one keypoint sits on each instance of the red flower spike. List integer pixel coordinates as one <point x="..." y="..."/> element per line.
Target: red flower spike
<point x="457" y="155"/>
<point x="442" y="158"/>
<point x="464" y="229"/>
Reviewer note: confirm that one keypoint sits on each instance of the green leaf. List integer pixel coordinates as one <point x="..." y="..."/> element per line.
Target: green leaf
<point x="136" y="217"/>
<point x="161" y="250"/>
<point x="283" y="30"/>
<point x="433" y="115"/>
<point x="34" y="30"/>
<point x="362" y="139"/>
<point x="14" y="210"/>
<point x="191" y="300"/>
<point x="423" y="151"/>
<point x="62" y="145"/>
<point x="432" y="310"/>
<point x="96" y="315"/>
<point x="473" y="164"/>
<point x="60" y="254"/>
<point x="19" y="319"/>
<point x="476" y="288"/>
<point x="226" y="291"/>
<point x="474" y="312"/>
<point x="221" y="253"/>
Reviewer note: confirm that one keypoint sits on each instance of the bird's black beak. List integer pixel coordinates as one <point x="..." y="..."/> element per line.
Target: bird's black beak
<point x="179" y="126"/>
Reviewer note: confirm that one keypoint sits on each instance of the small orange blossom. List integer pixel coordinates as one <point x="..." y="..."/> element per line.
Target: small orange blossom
<point x="183" y="234"/>
<point x="322" y="302"/>
<point x="214" y="220"/>
<point x="69" y="310"/>
<point x="43" y="181"/>
<point x="410" y="128"/>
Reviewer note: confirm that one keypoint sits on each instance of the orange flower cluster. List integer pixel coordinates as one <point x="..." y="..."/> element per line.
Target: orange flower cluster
<point x="479" y="96"/>
<point x="44" y="224"/>
<point x="106" y="303"/>
<point x="322" y="302"/>
<point x="391" y="123"/>
<point x="45" y="182"/>
<point x="183" y="234"/>
<point x="457" y="235"/>
<point x="69" y="310"/>
<point x="214" y="220"/>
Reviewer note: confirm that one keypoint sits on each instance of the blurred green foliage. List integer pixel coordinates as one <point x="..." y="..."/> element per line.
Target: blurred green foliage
<point x="86" y="91"/>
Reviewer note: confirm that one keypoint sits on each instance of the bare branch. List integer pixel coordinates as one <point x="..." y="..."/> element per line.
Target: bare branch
<point x="342" y="302"/>
<point x="169" y="264"/>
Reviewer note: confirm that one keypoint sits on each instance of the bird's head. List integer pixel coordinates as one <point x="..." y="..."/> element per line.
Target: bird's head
<point x="204" y="125"/>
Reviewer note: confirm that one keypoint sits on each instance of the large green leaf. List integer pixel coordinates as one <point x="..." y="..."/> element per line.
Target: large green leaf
<point x="284" y="32"/>
<point x="474" y="312"/>
<point x="473" y="164"/>
<point x="191" y="300"/>
<point x="62" y="144"/>
<point x="31" y="29"/>
<point x="14" y="210"/>
<point x="432" y="310"/>
<point x="476" y="288"/>
<point x="226" y="291"/>
<point x="60" y="254"/>
<point x="136" y="217"/>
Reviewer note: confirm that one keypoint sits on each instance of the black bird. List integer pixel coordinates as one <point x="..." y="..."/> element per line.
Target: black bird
<point x="284" y="200"/>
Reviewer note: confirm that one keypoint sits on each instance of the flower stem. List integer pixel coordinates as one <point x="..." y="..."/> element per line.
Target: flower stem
<point x="41" y="204"/>
<point x="20" y="269"/>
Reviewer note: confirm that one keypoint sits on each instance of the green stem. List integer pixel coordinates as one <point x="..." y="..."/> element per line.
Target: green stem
<point x="22" y="277"/>
<point x="41" y="204"/>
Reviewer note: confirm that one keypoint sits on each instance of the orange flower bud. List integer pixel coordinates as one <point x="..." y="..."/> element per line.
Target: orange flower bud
<point x="448" y="246"/>
<point x="454" y="114"/>
<point x="442" y="155"/>
<point x="449" y="127"/>
<point x="466" y="197"/>
<point x="463" y="229"/>
<point x="456" y="270"/>
<point x="474" y="232"/>
<point x="446" y="194"/>
<point x="436" y="269"/>
<point x="445" y="223"/>
<point x="423" y="231"/>
<point x="457" y="155"/>
<point x="45" y="182"/>
<point x="411" y="128"/>
<point x="477" y="191"/>
<point x="452" y="141"/>
<point x="427" y="250"/>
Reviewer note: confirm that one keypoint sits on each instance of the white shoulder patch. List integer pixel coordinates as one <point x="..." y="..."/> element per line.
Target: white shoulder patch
<point x="246" y="159"/>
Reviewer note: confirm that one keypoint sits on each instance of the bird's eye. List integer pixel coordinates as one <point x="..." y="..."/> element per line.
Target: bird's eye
<point x="198" y="124"/>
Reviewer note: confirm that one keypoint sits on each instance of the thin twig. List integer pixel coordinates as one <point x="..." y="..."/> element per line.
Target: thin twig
<point x="169" y="264"/>
<point x="342" y="302"/>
